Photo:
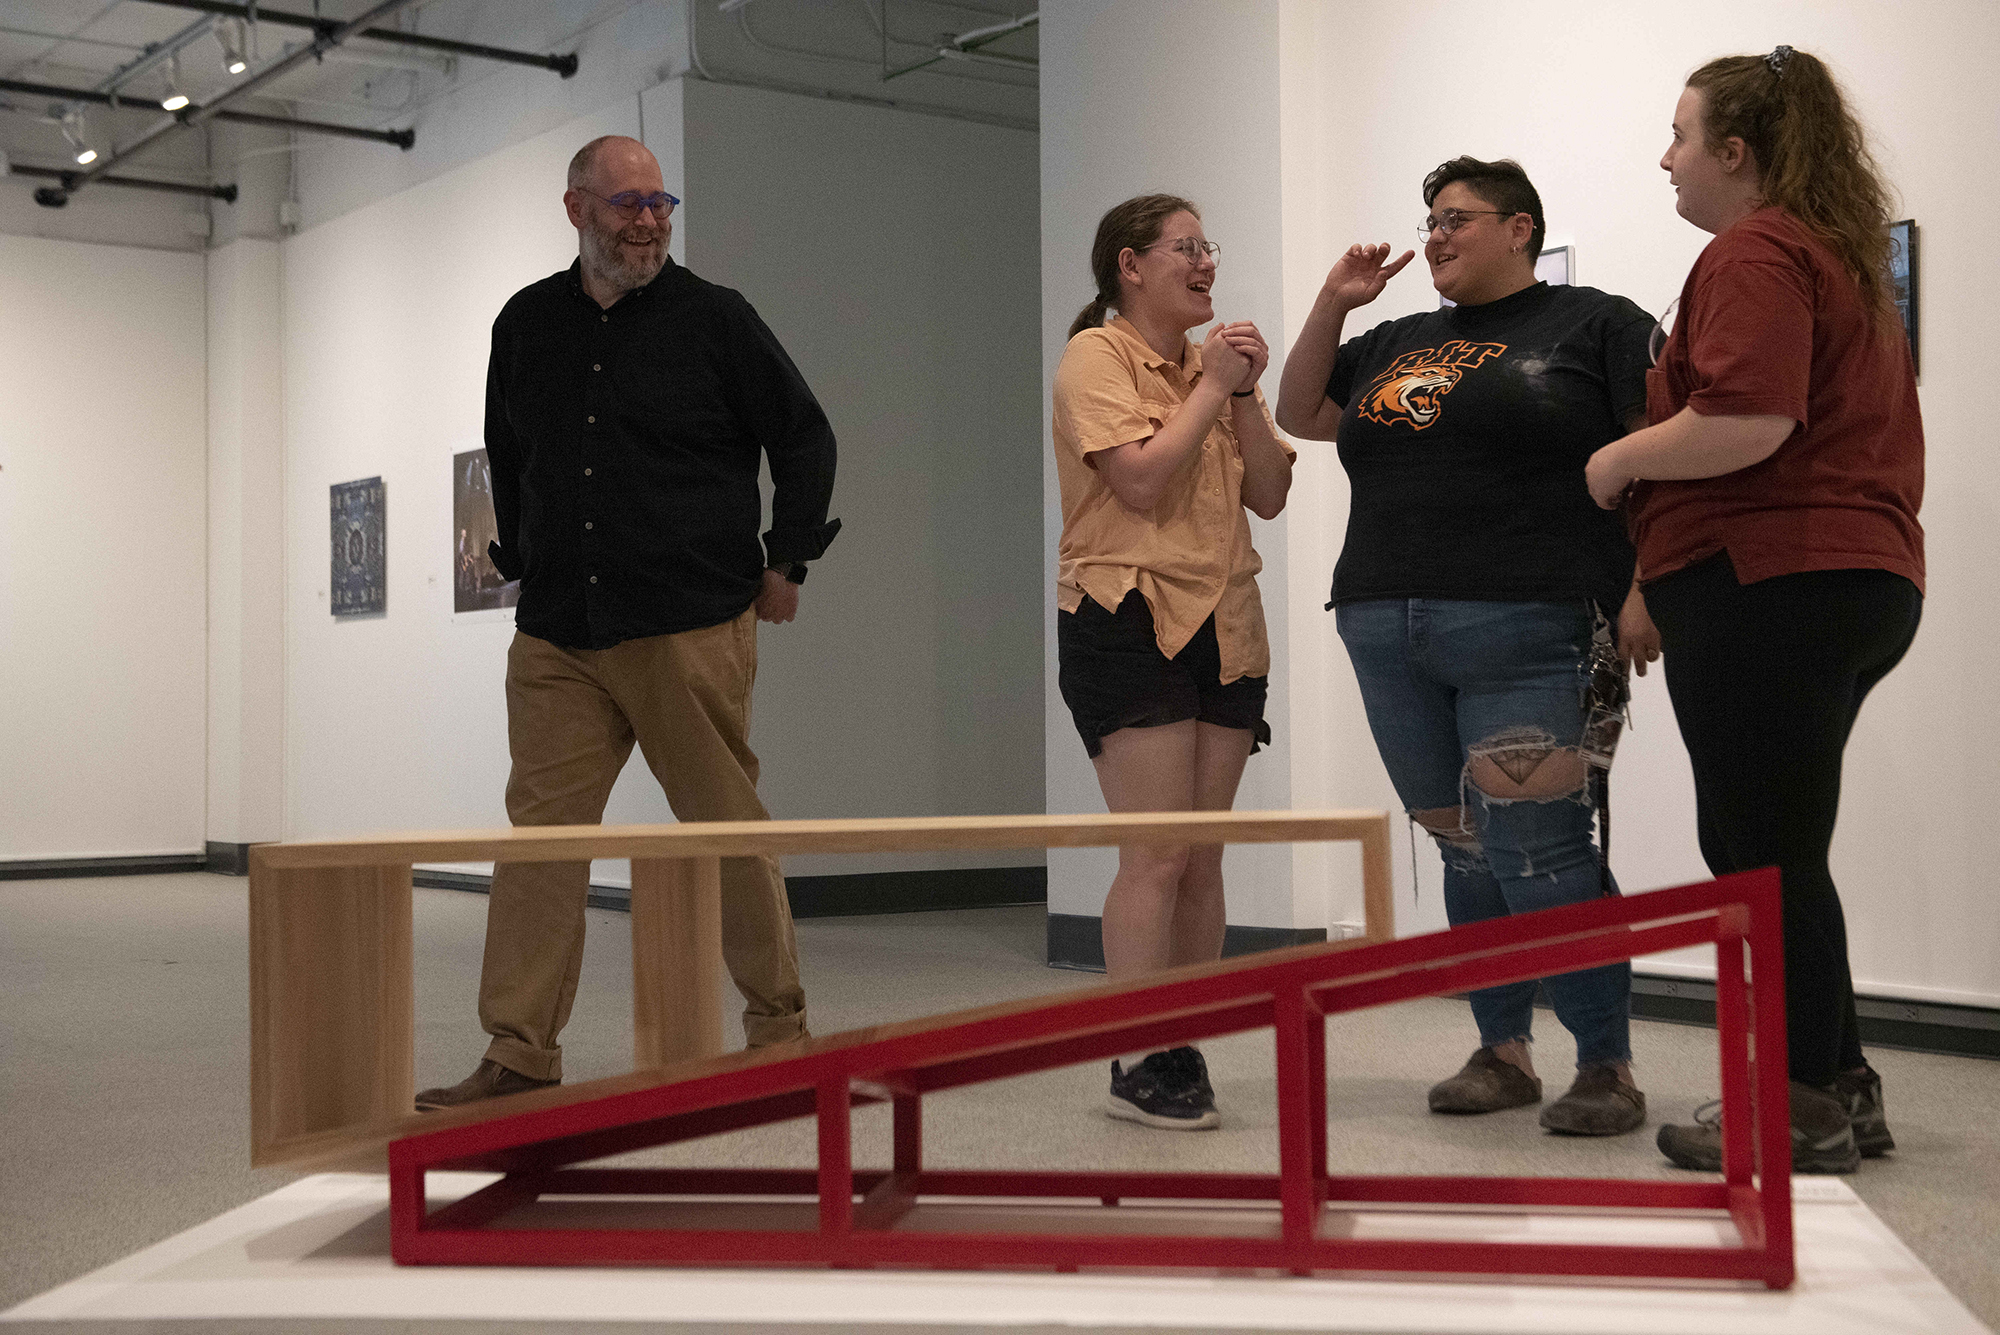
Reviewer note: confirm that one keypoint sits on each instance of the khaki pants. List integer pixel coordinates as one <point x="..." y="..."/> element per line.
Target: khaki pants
<point x="572" y="717"/>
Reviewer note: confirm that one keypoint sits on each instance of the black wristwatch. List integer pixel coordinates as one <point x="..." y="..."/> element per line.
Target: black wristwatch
<point x="795" y="571"/>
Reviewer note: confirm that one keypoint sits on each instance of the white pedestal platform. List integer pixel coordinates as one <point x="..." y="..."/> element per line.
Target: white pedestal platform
<point x="317" y="1253"/>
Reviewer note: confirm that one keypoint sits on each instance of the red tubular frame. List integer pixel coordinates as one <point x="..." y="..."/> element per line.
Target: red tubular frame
<point x="1291" y="991"/>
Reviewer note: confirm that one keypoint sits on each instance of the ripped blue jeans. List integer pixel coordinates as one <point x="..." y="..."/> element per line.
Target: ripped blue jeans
<point x="1477" y="709"/>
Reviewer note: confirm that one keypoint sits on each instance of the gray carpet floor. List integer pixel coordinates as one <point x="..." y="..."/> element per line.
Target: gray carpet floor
<point x="124" y="1075"/>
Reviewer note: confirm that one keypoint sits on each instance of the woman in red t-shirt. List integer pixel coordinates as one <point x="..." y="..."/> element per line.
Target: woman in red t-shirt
<point x="1774" y="505"/>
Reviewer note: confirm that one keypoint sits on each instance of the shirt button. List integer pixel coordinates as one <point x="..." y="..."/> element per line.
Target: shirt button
<point x="604" y="319"/>
<point x="595" y="367"/>
<point x="593" y="579"/>
<point x="590" y="419"/>
<point x="588" y="524"/>
<point x="586" y="472"/>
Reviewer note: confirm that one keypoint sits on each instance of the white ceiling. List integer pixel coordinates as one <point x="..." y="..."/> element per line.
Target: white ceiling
<point x="83" y="43"/>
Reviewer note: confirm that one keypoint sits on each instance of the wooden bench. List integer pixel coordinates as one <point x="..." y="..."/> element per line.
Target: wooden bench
<point x="332" y="1001"/>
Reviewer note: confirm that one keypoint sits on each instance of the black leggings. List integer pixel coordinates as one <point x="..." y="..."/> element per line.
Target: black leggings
<point x="1766" y="680"/>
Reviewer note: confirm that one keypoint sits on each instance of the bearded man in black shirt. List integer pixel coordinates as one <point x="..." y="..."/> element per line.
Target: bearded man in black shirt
<point x="628" y="407"/>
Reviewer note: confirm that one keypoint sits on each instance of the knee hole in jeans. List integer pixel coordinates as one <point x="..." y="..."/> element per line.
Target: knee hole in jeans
<point x="1452" y="828"/>
<point x="1525" y="765"/>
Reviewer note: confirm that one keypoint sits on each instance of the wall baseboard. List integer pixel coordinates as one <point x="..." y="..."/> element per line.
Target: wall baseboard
<point x="148" y="864"/>
<point x="843" y="896"/>
<point x="1076" y="941"/>
<point x="1913" y="1026"/>
<point x="228" y="859"/>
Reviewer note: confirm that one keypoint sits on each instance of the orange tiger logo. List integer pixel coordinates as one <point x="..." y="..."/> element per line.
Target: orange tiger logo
<point x="1412" y="389"/>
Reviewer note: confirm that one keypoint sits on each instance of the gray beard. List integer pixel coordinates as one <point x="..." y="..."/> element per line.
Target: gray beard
<point x="603" y="256"/>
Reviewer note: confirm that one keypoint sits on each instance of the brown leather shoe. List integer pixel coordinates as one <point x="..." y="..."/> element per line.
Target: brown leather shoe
<point x="490" y="1081"/>
<point x="1485" y="1084"/>
<point x="1598" y="1104"/>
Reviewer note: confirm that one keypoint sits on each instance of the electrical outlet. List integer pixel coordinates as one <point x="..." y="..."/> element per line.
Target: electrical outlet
<point x="1347" y="931"/>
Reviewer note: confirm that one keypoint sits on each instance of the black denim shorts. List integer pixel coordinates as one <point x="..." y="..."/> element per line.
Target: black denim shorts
<point x="1113" y="675"/>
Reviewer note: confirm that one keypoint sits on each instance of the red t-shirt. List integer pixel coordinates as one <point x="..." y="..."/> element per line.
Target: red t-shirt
<point x="1772" y="324"/>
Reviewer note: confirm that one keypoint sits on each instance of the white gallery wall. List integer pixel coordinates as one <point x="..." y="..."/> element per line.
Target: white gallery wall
<point x="1582" y="94"/>
<point x="102" y="550"/>
<point x="1181" y="98"/>
<point x="396" y="721"/>
<point x="895" y="255"/>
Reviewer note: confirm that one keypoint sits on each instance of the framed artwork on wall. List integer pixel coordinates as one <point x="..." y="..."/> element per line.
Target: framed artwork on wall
<point x="476" y="586"/>
<point x="360" y="559"/>
<point x="1903" y="275"/>
<point x="1556" y="266"/>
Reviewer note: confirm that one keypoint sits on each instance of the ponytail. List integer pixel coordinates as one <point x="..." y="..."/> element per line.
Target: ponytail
<point x="1811" y="153"/>
<point x="1090" y="317"/>
<point x="1133" y="225"/>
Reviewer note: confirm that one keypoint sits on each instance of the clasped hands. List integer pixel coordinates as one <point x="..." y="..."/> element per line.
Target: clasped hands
<point x="1235" y="354"/>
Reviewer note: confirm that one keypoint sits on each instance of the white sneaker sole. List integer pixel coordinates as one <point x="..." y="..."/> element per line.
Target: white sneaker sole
<point x="1132" y="1112"/>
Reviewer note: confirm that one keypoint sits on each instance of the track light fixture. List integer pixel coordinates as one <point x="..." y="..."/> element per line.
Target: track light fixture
<point x="229" y="33"/>
<point x="78" y="135"/>
<point x="175" y="98"/>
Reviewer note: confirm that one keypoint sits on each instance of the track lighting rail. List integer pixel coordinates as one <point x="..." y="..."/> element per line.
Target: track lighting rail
<point x="400" y="138"/>
<point x="323" y="41"/>
<point x="225" y="193"/>
<point x="564" y="65"/>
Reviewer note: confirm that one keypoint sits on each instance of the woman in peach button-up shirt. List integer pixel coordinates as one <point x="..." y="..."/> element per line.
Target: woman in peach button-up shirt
<point x="1160" y="447"/>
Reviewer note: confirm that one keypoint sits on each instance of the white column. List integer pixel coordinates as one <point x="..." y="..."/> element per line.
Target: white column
<point x="1182" y="97"/>
<point x="245" y="545"/>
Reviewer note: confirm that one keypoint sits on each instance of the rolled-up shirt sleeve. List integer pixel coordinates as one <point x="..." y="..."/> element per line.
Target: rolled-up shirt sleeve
<point x="774" y="403"/>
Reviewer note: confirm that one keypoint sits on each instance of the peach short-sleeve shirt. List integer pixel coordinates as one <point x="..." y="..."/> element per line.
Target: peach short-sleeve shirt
<point x="1190" y="555"/>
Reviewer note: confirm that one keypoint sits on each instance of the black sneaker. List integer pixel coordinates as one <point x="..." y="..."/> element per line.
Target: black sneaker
<point x="1168" y="1090"/>
<point x="1862" y="1093"/>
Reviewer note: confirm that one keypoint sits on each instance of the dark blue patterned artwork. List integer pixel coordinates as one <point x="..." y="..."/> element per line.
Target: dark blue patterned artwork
<point x="360" y="558"/>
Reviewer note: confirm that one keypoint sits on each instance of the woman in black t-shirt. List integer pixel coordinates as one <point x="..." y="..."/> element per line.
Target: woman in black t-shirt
<point x="1476" y="590"/>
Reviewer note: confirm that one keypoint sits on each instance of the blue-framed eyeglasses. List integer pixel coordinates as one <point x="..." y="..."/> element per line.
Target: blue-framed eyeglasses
<point x="630" y="203"/>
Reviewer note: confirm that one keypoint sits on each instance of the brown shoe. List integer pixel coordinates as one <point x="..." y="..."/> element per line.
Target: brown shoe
<point x="490" y="1081"/>
<point x="1598" y="1104"/>
<point x="1485" y="1084"/>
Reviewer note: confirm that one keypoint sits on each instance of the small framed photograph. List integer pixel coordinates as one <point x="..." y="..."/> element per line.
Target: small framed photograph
<point x="478" y="590"/>
<point x="1556" y="266"/>
<point x="1903" y="278"/>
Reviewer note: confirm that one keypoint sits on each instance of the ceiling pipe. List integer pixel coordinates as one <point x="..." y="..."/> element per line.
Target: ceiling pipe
<point x="400" y="138"/>
<point x="57" y="196"/>
<point x="226" y="193"/>
<point x="564" y="65"/>
<point x="157" y="54"/>
<point x="966" y="46"/>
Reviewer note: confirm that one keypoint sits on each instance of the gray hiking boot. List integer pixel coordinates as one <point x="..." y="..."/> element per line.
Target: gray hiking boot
<point x="1822" y="1137"/>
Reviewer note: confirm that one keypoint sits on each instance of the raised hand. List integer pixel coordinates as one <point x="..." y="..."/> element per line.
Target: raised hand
<point x="1359" y="276"/>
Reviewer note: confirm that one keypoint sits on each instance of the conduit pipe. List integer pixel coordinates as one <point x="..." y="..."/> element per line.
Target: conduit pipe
<point x="565" y="65"/>
<point x="400" y="138"/>
<point x="56" y="196"/>
<point x="966" y="46"/>
<point x="225" y="193"/>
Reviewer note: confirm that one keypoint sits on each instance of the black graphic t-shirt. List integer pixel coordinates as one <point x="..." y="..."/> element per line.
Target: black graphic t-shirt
<point x="1464" y="438"/>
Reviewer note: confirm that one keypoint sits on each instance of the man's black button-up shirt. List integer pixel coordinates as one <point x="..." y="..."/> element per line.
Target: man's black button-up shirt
<point x="625" y="446"/>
